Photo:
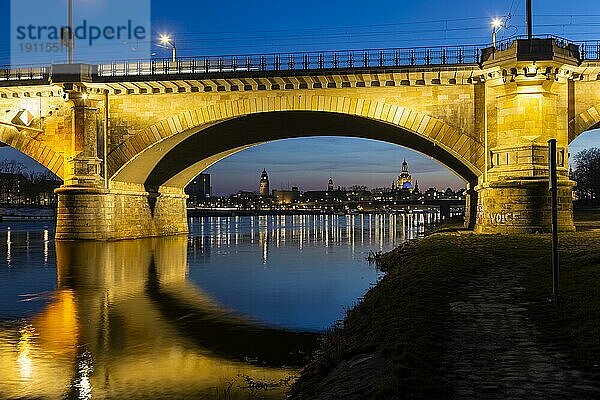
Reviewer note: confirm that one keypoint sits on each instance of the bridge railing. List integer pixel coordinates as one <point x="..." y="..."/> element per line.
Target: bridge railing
<point x="505" y="44"/>
<point x="318" y="61"/>
<point x="589" y="50"/>
<point x="306" y="61"/>
<point x="24" y="73"/>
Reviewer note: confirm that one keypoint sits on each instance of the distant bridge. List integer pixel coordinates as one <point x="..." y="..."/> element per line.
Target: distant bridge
<point x="127" y="136"/>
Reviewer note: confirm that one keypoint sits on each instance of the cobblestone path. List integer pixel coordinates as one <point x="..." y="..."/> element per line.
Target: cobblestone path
<point x="493" y="350"/>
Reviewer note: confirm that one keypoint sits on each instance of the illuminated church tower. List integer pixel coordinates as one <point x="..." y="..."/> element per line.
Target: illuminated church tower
<point x="404" y="180"/>
<point x="330" y="185"/>
<point x="263" y="188"/>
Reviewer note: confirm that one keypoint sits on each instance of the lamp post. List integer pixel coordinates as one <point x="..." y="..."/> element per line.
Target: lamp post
<point x="496" y="24"/>
<point x="552" y="174"/>
<point x="71" y="36"/>
<point x="529" y="20"/>
<point x="166" y="40"/>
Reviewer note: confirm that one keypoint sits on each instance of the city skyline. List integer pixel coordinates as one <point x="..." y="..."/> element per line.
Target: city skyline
<point x="284" y="177"/>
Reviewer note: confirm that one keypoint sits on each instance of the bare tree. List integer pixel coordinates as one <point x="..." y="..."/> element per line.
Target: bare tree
<point x="587" y="174"/>
<point x="19" y="186"/>
<point x="12" y="167"/>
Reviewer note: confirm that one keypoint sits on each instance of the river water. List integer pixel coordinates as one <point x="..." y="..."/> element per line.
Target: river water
<point x="231" y="311"/>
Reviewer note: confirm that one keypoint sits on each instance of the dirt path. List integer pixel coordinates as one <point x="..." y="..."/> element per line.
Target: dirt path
<point x="494" y="351"/>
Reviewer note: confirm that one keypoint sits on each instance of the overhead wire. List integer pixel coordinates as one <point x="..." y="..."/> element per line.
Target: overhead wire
<point x="440" y="31"/>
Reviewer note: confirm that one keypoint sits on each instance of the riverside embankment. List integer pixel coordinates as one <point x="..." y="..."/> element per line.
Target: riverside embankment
<point x="460" y="315"/>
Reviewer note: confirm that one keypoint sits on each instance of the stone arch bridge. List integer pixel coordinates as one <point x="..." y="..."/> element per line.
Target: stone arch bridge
<point x="127" y="137"/>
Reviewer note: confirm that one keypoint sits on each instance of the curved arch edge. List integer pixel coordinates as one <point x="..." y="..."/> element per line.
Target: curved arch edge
<point x="193" y="121"/>
<point x="587" y="120"/>
<point x="34" y="149"/>
<point x="258" y="128"/>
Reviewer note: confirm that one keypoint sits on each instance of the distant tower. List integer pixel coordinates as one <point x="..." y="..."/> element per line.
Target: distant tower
<point x="404" y="180"/>
<point x="264" y="184"/>
<point x="416" y="189"/>
<point x="330" y="185"/>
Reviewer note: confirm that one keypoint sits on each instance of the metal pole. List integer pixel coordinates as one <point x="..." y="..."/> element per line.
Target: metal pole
<point x="529" y="21"/>
<point x="71" y="33"/>
<point x="486" y="155"/>
<point x="174" y="52"/>
<point x="554" y="193"/>
<point x="105" y="150"/>
<point x="494" y="38"/>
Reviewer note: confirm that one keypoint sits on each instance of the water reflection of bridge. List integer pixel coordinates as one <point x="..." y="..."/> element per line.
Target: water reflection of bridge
<point x="124" y="322"/>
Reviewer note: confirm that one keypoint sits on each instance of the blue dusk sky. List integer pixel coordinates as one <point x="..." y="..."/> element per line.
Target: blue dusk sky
<point x="236" y="27"/>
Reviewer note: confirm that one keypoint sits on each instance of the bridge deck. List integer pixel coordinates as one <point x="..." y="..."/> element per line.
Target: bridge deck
<point x="278" y="64"/>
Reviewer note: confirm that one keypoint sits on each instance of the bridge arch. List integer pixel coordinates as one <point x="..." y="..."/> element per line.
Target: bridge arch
<point x="174" y="150"/>
<point x="33" y="148"/>
<point x="585" y="121"/>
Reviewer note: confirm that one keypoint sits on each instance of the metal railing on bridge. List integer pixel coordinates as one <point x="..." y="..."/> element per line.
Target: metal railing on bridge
<point x="25" y="73"/>
<point x="589" y="50"/>
<point x="561" y="42"/>
<point x="310" y="61"/>
<point x="305" y="61"/>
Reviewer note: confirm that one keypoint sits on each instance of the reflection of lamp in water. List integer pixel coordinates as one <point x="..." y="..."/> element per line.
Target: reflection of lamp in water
<point x="327" y="231"/>
<point x="24" y="348"/>
<point x="8" y="245"/>
<point x="351" y="232"/>
<point x="362" y="229"/>
<point x="263" y="239"/>
<point x="301" y="238"/>
<point x="84" y="370"/>
<point x="46" y="241"/>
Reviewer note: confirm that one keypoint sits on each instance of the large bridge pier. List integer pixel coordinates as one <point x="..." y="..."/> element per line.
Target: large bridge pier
<point x="526" y="101"/>
<point x="91" y="208"/>
<point x="522" y="206"/>
<point x="96" y="213"/>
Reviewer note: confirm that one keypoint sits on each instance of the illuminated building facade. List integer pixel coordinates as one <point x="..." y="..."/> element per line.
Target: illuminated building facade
<point x="263" y="188"/>
<point x="404" y="180"/>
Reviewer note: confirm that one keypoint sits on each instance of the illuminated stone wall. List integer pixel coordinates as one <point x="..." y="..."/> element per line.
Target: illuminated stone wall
<point x="100" y="214"/>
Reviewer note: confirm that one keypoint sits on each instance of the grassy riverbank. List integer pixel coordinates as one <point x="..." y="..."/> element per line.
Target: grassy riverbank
<point x="393" y="342"/>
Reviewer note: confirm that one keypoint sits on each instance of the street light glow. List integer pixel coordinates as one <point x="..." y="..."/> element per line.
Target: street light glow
<point x="496" y="25"/>
<point x="165" y="39"/>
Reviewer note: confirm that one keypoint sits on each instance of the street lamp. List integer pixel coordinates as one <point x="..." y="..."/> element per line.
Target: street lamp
<point x="496" y="24"/>
<point x="166" y="40"/>
<point x="70" y="40"/>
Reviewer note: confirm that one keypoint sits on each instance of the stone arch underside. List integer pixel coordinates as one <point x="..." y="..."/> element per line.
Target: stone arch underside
<point x="183" y="178"/>
<point x="159" y="153"/>
<point x="586" y="121"/>
<point x="33" y="148"/>
<point x="198" y="151"/>
<point x="194" y="154"/>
